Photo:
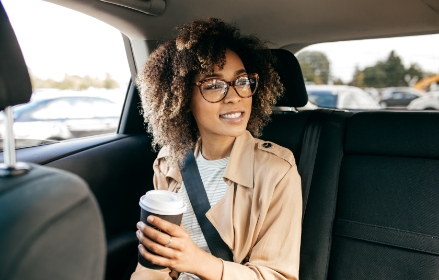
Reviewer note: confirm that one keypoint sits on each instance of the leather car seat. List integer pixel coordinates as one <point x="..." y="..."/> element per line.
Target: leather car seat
<point x="50" y="223"/>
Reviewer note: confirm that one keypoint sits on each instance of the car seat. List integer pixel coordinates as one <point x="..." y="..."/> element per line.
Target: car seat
<point x="50" y="224"/>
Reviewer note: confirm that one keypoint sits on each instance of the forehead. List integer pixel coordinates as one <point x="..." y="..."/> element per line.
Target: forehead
<point x="233" y="66"/>
<point x="233" y="62"/>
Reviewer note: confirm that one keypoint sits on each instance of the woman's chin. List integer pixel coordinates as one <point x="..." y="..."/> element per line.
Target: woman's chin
<point x="232" y="130"/>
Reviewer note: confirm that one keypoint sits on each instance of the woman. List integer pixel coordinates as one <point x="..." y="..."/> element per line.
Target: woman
<point x="211" y="89"/>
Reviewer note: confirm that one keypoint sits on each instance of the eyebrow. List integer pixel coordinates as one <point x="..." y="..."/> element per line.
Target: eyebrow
<point x="214" y="75"/>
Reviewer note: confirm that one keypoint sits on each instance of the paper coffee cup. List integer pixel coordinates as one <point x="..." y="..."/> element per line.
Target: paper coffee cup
<point x="166" y="205"/>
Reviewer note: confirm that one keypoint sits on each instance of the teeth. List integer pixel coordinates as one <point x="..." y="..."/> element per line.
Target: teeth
<point x="231" y="116"/>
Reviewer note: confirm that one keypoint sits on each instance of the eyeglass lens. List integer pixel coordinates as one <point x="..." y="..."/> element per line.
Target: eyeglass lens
<point x="214" y="89"/>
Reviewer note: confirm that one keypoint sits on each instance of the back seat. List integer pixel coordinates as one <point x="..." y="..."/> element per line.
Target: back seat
<point x="387" y="217"/>
<point x="373" y="207"/>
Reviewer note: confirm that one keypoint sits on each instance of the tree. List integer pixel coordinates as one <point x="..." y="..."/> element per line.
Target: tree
<point x="109" y="83"/>
<point x="75" y="82"/>
<point x="388" y="73"/>
<point x="307" y="72"/>
<point x="358" y="79"/>
<point x="375" y="76"/>
<point x="315" y="66"/>
<point x="395" y="70"/>
<point x="414" y="73"/>
<point x="338" y="81"/>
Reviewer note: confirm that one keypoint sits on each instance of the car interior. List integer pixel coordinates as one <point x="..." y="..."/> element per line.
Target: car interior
<point x="372" y="207"/>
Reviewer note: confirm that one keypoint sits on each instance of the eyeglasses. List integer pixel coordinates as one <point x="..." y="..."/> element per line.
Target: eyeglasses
<point x="215" y="90"/>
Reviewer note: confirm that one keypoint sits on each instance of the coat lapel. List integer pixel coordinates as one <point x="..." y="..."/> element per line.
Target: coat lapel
<point x="236" y="227"/>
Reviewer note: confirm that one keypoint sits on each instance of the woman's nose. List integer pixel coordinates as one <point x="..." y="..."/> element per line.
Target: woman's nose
<point x="232" y="96"/>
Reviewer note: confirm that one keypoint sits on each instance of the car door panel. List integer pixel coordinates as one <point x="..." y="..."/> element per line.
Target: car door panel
<point x="118" y="169"/>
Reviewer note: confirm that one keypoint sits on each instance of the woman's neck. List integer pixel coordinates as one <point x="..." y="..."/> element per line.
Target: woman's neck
<point x="216" y="147"/>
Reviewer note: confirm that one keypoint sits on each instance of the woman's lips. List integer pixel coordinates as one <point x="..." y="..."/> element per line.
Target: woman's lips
<point x="233" y="117"/>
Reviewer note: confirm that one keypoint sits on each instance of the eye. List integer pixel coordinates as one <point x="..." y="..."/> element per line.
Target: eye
<point x="213" y="85"/>
<point x="242" y="81"/>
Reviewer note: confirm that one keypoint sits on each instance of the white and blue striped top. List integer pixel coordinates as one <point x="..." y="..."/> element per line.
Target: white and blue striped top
<point x="211" y="172"/>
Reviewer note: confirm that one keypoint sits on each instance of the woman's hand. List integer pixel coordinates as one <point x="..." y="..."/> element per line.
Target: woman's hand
<point x="182" y="255"/>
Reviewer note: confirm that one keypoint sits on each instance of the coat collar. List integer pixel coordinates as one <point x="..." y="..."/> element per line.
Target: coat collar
<point x="239" y="170"/>
<point x="240" y="167"/>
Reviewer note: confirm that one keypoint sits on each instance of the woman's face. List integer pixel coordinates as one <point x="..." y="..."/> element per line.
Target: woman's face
<point x="230" y="116"/>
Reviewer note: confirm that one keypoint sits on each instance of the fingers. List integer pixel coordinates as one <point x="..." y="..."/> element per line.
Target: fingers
<point x="155" y="247"/>
<point x="166" y="226"/>
<point x="155" y="235"/>
<point x="154" y="259"/>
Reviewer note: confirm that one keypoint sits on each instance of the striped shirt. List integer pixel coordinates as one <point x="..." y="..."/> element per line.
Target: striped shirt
<point x="211" y="172"/>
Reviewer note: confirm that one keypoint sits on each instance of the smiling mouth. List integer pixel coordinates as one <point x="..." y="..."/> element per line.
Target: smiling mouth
<point x="231" y="116"/>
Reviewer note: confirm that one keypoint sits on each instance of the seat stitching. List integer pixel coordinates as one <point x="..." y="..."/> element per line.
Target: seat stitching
<point x="389" y="228"/>
<point x="385" y="243"/>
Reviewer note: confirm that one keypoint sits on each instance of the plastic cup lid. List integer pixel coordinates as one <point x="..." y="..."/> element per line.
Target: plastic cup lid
<point x="162" y="202"/>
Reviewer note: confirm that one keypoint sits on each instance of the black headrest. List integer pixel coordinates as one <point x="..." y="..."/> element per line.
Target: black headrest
<point x="291" y="77"/>
<point x="15" y="85"/>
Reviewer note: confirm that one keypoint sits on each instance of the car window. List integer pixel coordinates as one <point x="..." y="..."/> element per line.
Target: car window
<point x="322" y="98"/>
<point x="65" y="108"/>
<point x="389" y="73"/>
<point x="103" y="108"/>
<point x="78" y="69"/>
<point x="398" y="95"/>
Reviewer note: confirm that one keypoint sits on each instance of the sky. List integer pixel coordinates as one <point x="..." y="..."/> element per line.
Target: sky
<point x="56" y="40"/>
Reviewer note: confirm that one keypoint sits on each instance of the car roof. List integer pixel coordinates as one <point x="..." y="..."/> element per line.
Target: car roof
<point x="288" y="24"/>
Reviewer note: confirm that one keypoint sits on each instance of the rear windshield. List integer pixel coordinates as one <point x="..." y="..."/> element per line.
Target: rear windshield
<point x="399" y="73"/>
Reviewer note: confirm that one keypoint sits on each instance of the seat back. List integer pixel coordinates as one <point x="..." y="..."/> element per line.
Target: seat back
<point x="51" y="227"/>
<point x="387" y="218"/>
<point x="13" y="71"/>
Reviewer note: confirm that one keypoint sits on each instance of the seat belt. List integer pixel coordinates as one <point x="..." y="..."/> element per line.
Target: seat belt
<point x="310" y="143"/>
<point x="200" y="203"/>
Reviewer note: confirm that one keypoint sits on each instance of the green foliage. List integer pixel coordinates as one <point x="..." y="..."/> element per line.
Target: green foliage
<point x="307" y="72"/>
<point x="315" y="66"/>
<point x="75" y="82"/>
<point x="388" y="73"/>
<point x="338" y="81"/>
<point x="358" y="79"/>
<point x="375" y="76"/>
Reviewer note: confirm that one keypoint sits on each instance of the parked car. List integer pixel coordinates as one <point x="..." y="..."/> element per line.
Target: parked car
<point x="428" y="102"/>
<point x="399" y="97"/>
<point x="340" y="97"/>
<point x="373" y="92"/>
<point x="64" y="118"/>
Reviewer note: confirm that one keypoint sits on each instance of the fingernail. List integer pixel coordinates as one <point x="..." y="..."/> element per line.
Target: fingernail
<point x="150" y="219"/>
<point x="140" y="225"/>
<point x="139" y="234"/>
<point x="141" y="248"/>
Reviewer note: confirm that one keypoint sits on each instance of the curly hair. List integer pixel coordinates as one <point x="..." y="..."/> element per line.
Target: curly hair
<point x="166" y="81"/>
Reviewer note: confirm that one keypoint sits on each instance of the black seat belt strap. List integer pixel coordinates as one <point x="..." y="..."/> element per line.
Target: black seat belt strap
<point x="310" y="143"/>
<point x="200" y="203"/>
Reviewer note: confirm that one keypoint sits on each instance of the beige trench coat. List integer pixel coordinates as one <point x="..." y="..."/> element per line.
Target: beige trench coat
<point x="260" y="215"/>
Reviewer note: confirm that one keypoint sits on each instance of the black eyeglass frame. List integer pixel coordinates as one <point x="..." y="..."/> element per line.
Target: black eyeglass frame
<point x="229" y="84"/>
